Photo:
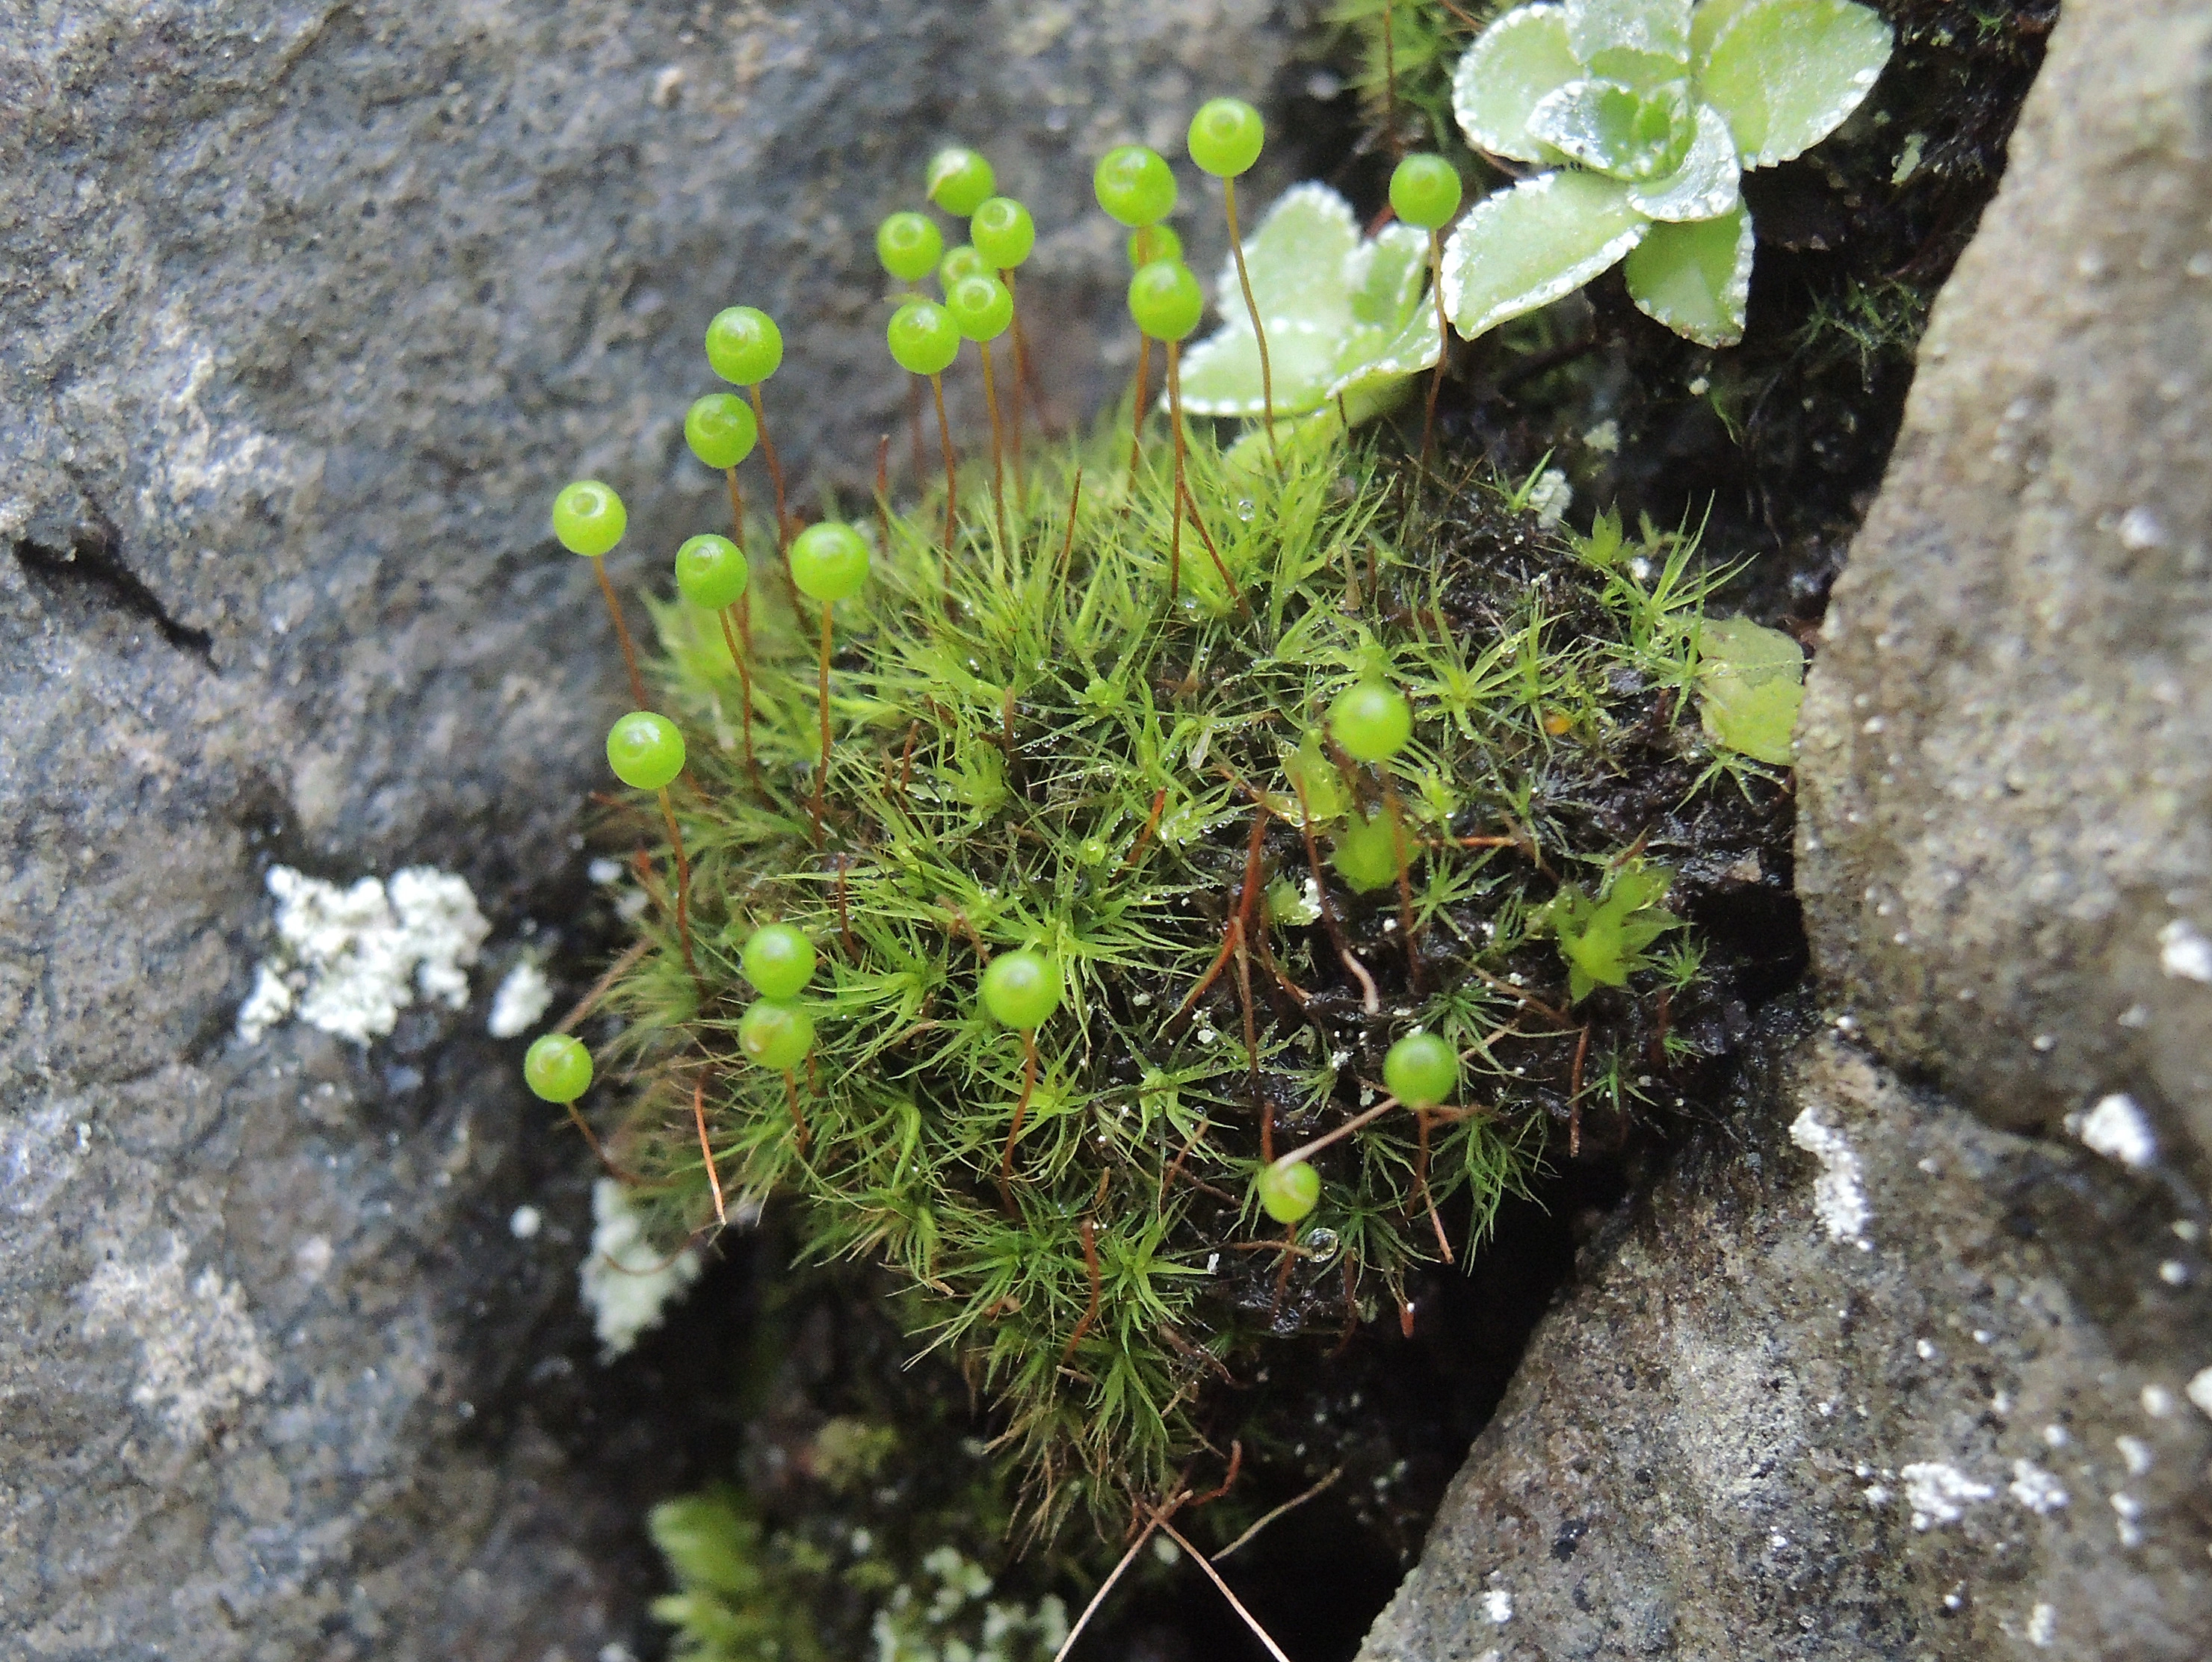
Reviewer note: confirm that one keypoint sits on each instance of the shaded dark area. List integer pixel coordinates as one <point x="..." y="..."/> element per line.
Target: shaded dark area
<point x="92" y="566"/>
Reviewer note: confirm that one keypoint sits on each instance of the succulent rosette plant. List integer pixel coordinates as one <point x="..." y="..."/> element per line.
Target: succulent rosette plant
<point x="1346" y="316"/>
<point x="1644" y="114"/>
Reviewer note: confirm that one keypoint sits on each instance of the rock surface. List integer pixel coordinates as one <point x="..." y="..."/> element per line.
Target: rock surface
<point x="1864" y="1377"/>
<point x="2005" y="760"/>
<point x="305" y="311"/>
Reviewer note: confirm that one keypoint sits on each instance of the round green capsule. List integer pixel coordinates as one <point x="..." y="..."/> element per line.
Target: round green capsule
<point x="829" y="561"/>
<point x="743" y="345"/>
<point x="1421" y="1070"/>
<point x="1366" y="854"/>
<point x="960" y="180"/>
<point x="775" y="1035"/>
<point x="645" y="749"/>
<point x="711" y="571"/>
<point x="1371" y="720"/>
<point x="1003" y="232"/>
<point x="1425" y="192"/>
<point x="961" y="260"/>
<point x="720" y="429"/>
<point x="1165" y="299"/>
<point x="588" y="517"/>
<point x="1134" y="186"/>
<point x="980" y="307"/>
<point x="1225" y="136"/>
<point x="1022" y="990"/>
<point x="1149" y="242"/>
<point x="556" y="1067"/>
<point x="924" y="339"/>
<point x="909" y="245"/>
<point x="1289" y="1193"/>
<point x="778" y="960"/>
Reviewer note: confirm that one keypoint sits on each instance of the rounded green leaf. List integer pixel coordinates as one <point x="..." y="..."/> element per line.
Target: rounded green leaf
<point x="1705" y="25"/>
<point x="1536" y="243"/>
<point x="1696" y="278"/>
<point x="1707" y="184"/>
<point x="1640" y="40"/>
<point x="1512" y="64"/>
<point x="1786" y="73"/>
<point x="1629" y="132"/>
<point x="1750" y="680"/>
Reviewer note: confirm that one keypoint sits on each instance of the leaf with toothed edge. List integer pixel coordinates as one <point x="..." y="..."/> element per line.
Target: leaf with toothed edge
<point x="1640" y="40"/>
<point x="1708" y="183"/>
<point x="1617" y="129"/>
<point x="1508" y="70"/>
<point x="1536" y="243"/>
<point x="1343" y="314"/>
<point x="1786" y="73"/>
<point x="1695" y="278"/>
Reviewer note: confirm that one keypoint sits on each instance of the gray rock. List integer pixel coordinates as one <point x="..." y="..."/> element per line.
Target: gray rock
<point x="305" y="312"/>
<point x="2005" y="761"/>
<point x="1918" y="1389"/>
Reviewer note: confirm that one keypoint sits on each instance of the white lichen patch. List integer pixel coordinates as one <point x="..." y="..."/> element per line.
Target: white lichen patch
<point x="1940" y="1494"/>
<point x="1497" y="1605"/>
<point x="2117" y="1129"/>
<point x="2036" y="1488"/>
<point x="522" y="997"/>
<point x="627" y="1282"/>
<point x="2184" y="952"/>
<point x="2199" y="1390"/>
<point x="2042" y="1626"/>
<point x="349" y="960"/>
<point x="199" y="1354"/>
<point x="1840" y="1192"/>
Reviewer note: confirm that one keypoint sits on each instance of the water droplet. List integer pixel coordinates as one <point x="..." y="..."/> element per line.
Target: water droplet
<point x="1322" y="1244"/>
<point x="1245" y="510"/>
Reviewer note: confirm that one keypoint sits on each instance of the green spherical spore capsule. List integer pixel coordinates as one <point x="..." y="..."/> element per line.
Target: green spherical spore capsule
<point x="1003" y="232"/>
<point x="775" y="1035"/>
<point x="980" y="307"/>
<point x="1134" y="186"/>
<point x="1149" y="242"/>
<point x="711" y="571"/>
<point x="720" y="429"/>
<point x="645" y="749"/>
<point x="961" y="260"/>
<point x="778" y="960"/>
<point x="1165" y="299"/>
<point x="909" y="245"/>
<point x="1421" y="1070"/>
<point x="1425" y="192"/>
<point x="1022" y="990"/>
<point x="924" y="339"/>
<point x="1225" y="136"/>
<point x="1366" y="854"/>
<point x="1371" y="720"/>
<point x="1289" y="1193"/>
<point x="556" y="1067"/>
<point x="588" y="517"/>
<point x="829" y="561"/>
<point x="743" y="345"/>
<point x="960" y="180"/>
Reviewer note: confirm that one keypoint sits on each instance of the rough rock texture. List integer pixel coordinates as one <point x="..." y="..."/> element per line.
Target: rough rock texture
<point x="305" y="311"/>
<point x="1747" y="1436"/>
<point x="2006" y="756"/>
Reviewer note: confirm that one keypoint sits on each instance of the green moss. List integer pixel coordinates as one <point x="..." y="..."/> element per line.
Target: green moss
<point x="1033" y="748"/>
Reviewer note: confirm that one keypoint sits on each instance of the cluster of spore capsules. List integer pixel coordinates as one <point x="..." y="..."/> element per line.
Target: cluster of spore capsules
<point x="1368" y="723"/>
